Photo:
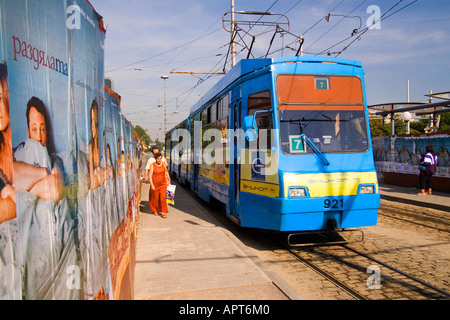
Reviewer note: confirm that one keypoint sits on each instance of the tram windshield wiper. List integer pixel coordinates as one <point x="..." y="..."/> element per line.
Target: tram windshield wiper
<point x="316" y="150"/>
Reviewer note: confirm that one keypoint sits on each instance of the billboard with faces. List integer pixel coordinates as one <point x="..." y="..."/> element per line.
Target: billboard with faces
<point x="65" y="151"/>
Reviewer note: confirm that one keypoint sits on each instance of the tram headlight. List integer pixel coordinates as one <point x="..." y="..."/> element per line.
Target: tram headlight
<point x="366" y="189"/>
<point x="297" y="192"/>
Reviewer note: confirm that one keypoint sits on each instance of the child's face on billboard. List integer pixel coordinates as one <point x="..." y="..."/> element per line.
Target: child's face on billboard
<point x="37" y="129"/>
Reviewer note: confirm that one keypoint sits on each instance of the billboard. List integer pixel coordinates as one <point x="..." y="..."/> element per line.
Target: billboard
<point x="65" y="152"/>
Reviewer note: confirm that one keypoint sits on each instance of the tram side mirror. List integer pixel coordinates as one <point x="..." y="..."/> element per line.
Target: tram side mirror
<point x="250" y="128"/>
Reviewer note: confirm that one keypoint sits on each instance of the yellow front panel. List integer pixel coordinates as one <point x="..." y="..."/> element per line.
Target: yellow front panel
<point x="330" y="184"/>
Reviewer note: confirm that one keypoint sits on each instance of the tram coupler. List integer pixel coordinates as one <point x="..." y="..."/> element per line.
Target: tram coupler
<point x="322" y="237"/>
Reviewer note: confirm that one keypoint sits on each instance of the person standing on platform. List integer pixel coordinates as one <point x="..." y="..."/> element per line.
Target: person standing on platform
<point x="159" y="180"/>
<point x="150" y="161"/>
<point x="429" y="161"/>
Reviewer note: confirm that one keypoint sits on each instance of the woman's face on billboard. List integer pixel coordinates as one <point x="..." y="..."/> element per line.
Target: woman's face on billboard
<point x="4" y="111"/>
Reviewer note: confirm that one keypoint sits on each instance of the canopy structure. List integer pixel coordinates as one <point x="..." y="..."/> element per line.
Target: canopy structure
<point x="418" y="108"/>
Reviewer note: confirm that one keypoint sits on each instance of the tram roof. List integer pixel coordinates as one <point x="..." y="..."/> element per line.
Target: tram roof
<point x="247" y="66"/>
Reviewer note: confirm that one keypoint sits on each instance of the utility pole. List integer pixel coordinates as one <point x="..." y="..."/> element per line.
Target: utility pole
<point x="233" y="42"/>
<point x="165" y="106"/>
<point x="408" y="90"/>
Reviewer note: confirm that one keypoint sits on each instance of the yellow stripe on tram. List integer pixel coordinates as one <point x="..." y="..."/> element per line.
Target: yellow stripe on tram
<point x="330" y="184"/>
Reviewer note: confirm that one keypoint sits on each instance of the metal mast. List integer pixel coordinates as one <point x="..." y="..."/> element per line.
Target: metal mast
<point x="165" y="106"/>
<point x="233" y="42"/>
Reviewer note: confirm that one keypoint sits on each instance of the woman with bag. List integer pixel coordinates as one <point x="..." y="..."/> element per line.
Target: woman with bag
<point x="159" y="180"/>
<point x="427" y="168"/>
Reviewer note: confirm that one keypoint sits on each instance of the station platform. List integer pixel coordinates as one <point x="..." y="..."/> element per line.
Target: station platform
<point x="190" y="255"/>
<point x="409" y="195"/>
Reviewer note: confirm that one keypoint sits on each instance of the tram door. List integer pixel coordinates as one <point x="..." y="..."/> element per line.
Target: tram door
<point x="196" y="137"/>
<point x="234" y="196"/>
<point x="179" y="156"/>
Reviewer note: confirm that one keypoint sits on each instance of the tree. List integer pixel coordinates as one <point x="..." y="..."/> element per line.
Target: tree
<point x="143" y="136"/>
<point x="378" y="129"/>
<point x="444" y="126"/>
<point x="419" y="126"/>
<point x="159" y="144"/>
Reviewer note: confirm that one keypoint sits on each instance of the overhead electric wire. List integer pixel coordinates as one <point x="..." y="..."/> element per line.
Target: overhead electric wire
<point x="170" y="61"/>
<point x="189" y="91"/>
<point x="322" y="18"/>
<point x="360" y="33"/>
<point x="284" y="14"/>
<point x="307" y="30"/>
<point x="336" y="24"/>
<point x="170" y="50"/>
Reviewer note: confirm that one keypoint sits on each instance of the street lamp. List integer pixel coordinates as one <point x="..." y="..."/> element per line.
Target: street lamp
<point x="165" y="113"/>
<point x="406" y="116"/>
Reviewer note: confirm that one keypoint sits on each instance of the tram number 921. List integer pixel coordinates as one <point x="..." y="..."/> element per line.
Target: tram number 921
<point x="333" y="203"/>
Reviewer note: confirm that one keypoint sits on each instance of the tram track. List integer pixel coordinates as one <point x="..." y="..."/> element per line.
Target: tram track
<point x="413" y="287"/>
<point x="327" y="275"/>
<point x="436" y="220"/>
<point x="403" y="272"/>
<point x="426" y="284"/>
<point x="340" y="271"/>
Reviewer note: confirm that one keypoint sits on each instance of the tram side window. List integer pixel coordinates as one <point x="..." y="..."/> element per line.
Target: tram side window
<point x="221" y="124"/>
<point x="204" y="117"/>
<point x="222" y="108"/>
<point x="222" y="116"/>
<point x="191" y="132"/>
<point x="259" y="102"/>
<point x="213" y="113"/>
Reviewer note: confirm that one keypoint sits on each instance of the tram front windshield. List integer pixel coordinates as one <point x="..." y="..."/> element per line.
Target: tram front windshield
<point x="330" y="131"/>
<point x="329" y="111"/>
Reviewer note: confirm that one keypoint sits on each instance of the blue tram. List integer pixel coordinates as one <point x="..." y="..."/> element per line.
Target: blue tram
<point x="284" y="144"/>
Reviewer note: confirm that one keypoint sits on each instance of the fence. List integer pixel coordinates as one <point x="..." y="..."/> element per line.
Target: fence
<point x="397" y="159"/>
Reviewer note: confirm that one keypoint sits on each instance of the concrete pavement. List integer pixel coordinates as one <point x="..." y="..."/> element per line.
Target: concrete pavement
<point x="190" y="256"/>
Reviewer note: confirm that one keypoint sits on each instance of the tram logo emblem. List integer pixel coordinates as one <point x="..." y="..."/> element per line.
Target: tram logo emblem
<point x="258" y="166"/>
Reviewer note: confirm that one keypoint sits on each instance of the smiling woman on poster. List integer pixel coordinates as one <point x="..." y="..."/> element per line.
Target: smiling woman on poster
<point x="97" y="174"/>
<point x="7" y="192"/>
<point x="10" y="258"/>
<point x="92" y="222"/>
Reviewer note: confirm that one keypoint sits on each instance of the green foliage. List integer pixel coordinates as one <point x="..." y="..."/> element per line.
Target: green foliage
<point x="143" y="136"/>
<point x="378" y="129"/>
<point x="444" y="126"/>
<point x="419" y="126"/>
<point x="416" y="127"/>
<point x="159" y="144"/>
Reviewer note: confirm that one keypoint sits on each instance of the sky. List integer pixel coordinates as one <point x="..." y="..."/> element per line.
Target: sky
<point x="147" y="39"/>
